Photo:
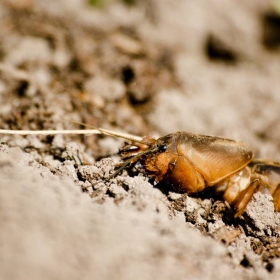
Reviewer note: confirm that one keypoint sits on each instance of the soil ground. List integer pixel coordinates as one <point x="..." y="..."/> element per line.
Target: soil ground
<point x="151" y="68"/>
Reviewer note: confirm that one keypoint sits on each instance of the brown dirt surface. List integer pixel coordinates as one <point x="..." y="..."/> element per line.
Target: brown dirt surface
<point x="151" y="68"/>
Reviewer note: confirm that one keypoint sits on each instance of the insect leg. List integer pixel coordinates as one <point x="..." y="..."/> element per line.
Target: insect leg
<point x="269" y="172"/>
<point x="245" y="196"/>
<point x="276" y="199"/>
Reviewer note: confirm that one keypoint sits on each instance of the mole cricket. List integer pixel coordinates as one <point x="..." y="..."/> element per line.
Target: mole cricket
<point x="190" y="163"/>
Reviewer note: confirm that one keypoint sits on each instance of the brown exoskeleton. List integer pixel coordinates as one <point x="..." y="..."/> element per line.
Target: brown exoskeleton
<point x="192" y="162"/>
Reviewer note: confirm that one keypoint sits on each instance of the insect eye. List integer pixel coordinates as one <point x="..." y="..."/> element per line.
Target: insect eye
<point x="162" y="148"/>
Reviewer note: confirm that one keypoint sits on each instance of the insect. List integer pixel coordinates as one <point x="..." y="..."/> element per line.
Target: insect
<point x="190" y="163"/>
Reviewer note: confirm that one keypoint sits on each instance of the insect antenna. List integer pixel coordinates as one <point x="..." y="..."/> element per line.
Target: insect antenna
<point x="129" y="162"/>
<point x="130" y="137"/>
<point x="126" y="136"/>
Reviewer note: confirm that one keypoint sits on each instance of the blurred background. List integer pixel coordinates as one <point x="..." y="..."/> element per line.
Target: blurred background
<point x="145" y="67"/>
